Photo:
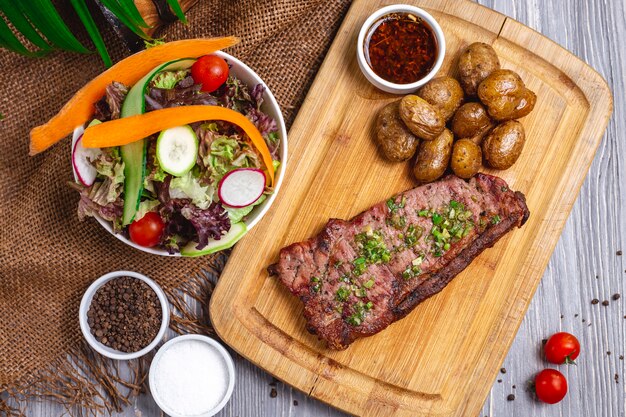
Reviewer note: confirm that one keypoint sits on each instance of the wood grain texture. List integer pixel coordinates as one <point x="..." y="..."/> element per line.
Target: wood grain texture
<point x="151" y="16"/>
<point x="340" y="173"/>
<point x="595" y="30"/>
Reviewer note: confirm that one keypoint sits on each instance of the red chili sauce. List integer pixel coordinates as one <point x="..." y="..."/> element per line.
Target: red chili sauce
<point x="401" y="48"/>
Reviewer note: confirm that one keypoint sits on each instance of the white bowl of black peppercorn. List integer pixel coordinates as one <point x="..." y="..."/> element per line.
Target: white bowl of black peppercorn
<point x="120" y="311"/>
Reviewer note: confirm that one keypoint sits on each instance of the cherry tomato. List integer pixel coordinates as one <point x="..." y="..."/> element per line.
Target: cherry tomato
<point x="147" y="231"/>
<point x="562" y="348"/>
<point x="211" y="71"/>
<point x="550" y="386"/>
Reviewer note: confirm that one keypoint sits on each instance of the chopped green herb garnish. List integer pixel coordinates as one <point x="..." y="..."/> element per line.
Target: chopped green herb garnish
<point x="393" y="206"/>
<point x="423" y="213"/>
<point x="397" y="221"/>
<point x="372" y="248"/>
<point x="450" y="225"/>
<point x="412" y="235"/>
<point x="369" y="284"/>
<point x="418" y="261"/>
<point x="406" y="274"/>
<point x="495" y="219"/>
<point x="359" y="309"/>
<point x="342" y="294"/>
<point x="316" y="284"/>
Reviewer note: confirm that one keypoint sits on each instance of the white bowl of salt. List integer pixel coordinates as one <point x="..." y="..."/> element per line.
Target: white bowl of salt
<point x="192" y="376"/>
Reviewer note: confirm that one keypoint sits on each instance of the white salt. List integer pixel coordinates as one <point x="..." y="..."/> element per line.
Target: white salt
<point x="191" y="378"/>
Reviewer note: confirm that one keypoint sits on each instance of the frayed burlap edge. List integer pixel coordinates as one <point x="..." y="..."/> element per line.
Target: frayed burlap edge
<point x="86" y="383"/>
<point x="69" y="381"/>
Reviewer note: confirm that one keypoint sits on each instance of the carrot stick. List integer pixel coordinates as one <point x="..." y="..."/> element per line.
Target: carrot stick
<point x="79" y="109"/>
<point x="133" y="128"/>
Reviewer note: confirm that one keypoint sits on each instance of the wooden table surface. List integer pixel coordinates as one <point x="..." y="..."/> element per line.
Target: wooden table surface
<point x="584" y="266"/>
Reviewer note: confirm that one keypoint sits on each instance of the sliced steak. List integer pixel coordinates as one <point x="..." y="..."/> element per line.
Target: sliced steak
<point x="356" y="277"/>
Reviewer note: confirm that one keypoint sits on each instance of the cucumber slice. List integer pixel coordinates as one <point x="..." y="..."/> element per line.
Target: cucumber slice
<point x="134" y="154"/>
<point x="177" y="150"/>
<point x="235" y="233"/>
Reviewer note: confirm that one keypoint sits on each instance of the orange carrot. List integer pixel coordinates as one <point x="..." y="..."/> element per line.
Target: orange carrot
<point x="79" y="109"/>
<point x="130" y="129"/>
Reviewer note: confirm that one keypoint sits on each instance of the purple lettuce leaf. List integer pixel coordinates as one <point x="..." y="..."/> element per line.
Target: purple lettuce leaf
<point x="211" y="223"/>
<point x="110" y="106"/>
<point x="184" y="93"/>
<point x="185" y="222"/>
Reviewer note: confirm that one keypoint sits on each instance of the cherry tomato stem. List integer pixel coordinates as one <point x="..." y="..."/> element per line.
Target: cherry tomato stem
<point x="562" y="348"/>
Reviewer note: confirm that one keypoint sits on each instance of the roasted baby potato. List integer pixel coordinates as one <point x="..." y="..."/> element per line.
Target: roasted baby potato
<point x="394" y="139"/>
<point x="471" y="121"/>
<point x="504" y="144"/>
<point x="445" y="93"/>
<point x="423" y="120"/>
<point x="466" y="159"/>
<point x="433" y="157"/>
<point x="475" y="64"/>
<point x="505" y="95"/>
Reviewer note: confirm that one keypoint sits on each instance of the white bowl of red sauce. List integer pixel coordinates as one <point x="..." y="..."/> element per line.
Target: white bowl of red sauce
<point x="400" y="48"/>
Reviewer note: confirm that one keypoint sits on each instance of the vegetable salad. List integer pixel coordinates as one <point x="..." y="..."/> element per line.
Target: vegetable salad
<point x="179" y="207"/>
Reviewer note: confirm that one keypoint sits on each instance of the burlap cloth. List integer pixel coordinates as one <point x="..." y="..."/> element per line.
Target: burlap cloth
<point x="49" y="257"/>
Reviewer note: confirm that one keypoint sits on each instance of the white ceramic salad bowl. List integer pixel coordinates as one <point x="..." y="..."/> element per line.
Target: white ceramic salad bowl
<point x="270" y="107"/>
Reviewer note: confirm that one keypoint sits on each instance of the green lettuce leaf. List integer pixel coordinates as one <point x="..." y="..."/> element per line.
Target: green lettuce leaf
<point x="110" y="167"/>
<point x="145" y="207"/>
<point x="224" y="146"/>
<point x="168" y="79"/>
<point x="188" y="186"/>
<point x="237" y="214"/>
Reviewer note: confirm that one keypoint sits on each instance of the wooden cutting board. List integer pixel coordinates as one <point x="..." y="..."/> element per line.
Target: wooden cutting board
<point x="440" y="360"/>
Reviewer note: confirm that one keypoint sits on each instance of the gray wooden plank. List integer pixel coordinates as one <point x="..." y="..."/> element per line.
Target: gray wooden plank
<point x="595" y="30"/>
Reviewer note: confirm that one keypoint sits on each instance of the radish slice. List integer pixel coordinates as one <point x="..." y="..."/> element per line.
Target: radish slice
<point x="81" y="161"/>
<point x="242" y="187"/>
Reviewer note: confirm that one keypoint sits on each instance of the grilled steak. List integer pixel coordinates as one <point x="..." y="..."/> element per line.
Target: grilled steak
<point x="356" y="277"/>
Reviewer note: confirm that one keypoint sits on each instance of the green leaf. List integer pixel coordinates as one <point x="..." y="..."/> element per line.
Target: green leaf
<point x="15" y="16"/>
<point x="178" y="11"/>
<point x="10" y="42"/>
<point x="119" y="12"/>
<point x="155" y="42"/>
<point x="92" y="29"/>
<point x="44" y="17"/>
<point x="131" y="11"/>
